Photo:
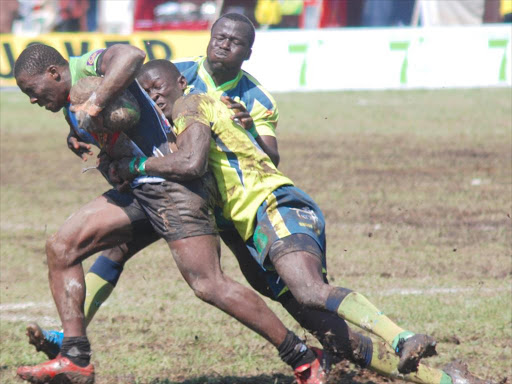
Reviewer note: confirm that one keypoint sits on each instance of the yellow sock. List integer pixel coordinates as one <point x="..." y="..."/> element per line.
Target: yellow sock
<point x="97" y="290"/>
<point x="385" y="362"/>
<point x="358" y="310"/>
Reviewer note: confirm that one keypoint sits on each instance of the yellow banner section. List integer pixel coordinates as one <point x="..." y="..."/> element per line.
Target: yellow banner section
<point x="157" y="45"/>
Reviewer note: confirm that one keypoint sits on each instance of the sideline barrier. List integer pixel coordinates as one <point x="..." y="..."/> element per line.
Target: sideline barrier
<point x="383" y="58"/>
<point x="328" y="59"/>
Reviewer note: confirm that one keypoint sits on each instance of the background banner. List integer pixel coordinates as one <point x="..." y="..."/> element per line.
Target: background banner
<point x="325" y="59"/>
<point x="160" y="45"/>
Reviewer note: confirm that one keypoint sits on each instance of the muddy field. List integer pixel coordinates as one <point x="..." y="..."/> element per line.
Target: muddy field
<point x="416" y="188"/>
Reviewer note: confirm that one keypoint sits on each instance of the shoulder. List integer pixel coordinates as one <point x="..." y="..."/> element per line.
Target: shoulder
<point x="187" y="62"/>
<point x="191" y="104"/>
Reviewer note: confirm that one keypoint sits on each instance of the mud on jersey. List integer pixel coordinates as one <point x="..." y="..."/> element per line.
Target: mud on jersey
<point x="150" y="134"/>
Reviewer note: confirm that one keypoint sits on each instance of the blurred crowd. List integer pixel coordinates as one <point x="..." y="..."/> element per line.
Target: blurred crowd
<point x="126" y="16"/>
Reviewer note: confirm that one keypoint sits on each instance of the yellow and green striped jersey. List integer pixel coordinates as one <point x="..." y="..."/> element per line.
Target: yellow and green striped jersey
<point x="244" y="88"/>
<point x="245" y="175"/>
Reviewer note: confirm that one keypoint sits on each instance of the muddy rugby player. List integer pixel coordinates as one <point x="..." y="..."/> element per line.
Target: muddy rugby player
<point x="275" y="235"/>
<point x="116" y="219"/>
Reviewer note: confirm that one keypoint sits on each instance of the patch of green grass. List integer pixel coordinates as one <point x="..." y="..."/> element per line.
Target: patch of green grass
<point x="416" y="188"/>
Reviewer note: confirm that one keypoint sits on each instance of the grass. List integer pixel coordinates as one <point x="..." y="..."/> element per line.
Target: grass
<point x="416" y="188"/>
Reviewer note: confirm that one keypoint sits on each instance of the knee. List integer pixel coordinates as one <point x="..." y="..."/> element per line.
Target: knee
<point x="58" y="252"/>
<point x="205" y="289"/>
<point x="309" y="295"/>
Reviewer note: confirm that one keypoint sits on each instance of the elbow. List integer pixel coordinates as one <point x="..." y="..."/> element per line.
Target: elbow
<point x="274" y="157"/>
<point x="196" y="169"/>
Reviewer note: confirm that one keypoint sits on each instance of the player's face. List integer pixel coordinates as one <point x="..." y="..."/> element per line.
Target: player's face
<point x="45" y="90"/>
<point x="229" y="44"/>
<point x="163" y="91"/>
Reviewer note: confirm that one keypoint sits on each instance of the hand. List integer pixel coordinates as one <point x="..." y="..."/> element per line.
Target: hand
<point x="121" y="185"/>
<point x="79" y="148"/>
<point x="119" y="170"/>
<point x="241" y="116"/>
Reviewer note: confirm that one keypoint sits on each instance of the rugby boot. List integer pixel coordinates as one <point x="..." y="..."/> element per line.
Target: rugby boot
<point x="58" y="370"/>
<point x="412" y="350"/>
<point x="48" y="342"/>
<point x="459" y="373"/>
<point x="315" y="372"/>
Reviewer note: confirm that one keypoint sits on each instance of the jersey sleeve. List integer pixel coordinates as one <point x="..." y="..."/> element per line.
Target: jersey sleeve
<point x="191" y="109"/>
<point x="85" y="65"/>
<point x="265" y="121"/>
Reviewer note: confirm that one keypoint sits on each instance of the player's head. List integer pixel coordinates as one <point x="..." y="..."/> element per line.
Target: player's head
<point x="163" y="83"/>
<point x="43" y="75"/>
<point x="231" y="40"/>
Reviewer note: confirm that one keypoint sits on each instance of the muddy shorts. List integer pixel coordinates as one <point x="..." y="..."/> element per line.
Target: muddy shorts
<point x="177" y="210"/>
<point x="287" y="221"/>
<point x="129" y="204"/>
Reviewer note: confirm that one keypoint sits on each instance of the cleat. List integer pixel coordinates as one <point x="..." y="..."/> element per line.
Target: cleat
<point x="459" y="373"/>
<point x="412" y="350"/>
<point x="48" y="342"/>
<point x="58" y="370"/>
<point x="315" y="372"/>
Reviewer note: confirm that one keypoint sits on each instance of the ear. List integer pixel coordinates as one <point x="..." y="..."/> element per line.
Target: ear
<point x="182" y="82"/>
<point x="248" y="55"/>
<point x="53" y="72"/>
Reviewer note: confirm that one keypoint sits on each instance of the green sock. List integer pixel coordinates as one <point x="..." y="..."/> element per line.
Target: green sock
<point x="97" y="290"/>
<point x="358" y="310"/>
<point x="385" y="362"/>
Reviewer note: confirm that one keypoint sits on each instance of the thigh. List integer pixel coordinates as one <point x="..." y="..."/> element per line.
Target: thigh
<point x="197" y="258"/>
<point x="101" y="224"/>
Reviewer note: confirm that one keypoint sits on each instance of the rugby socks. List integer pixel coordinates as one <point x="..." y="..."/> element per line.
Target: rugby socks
<point x="99" y="284"/>
<point x="385" y="362"/>
<point x="77" y="349"/>
<point x="358" y="310"/>
<point x="294" y="352"/>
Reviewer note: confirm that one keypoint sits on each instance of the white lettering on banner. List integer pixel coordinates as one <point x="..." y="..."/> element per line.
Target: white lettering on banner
<point x="382" y="58"/>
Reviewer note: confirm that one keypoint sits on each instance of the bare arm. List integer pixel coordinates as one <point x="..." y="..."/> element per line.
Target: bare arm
<point x="119" y="65"/>
<point x="189" y="162"/>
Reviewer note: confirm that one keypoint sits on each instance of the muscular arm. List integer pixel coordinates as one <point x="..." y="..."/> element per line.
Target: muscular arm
<point x="119" y="64"/>
<point x="190" y="162"/>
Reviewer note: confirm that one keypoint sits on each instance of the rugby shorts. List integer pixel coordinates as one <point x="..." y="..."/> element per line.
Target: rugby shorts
<point x="287" y="221"/>
<point x="178" y="210"/>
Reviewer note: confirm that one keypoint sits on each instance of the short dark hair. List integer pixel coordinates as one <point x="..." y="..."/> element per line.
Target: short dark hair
<point x="239" y="17"/>
<point x="36" y="58"/>
<point x="160" y="64"/>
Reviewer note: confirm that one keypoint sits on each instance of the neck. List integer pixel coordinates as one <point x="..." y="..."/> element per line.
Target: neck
<point x="66" y="78"/>
<point x="220" y="75"/>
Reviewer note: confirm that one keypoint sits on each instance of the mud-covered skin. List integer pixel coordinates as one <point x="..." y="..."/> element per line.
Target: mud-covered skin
<point x="121" y="114"/>
<point x="413" y="350"/>
<point x="459" y="373"/>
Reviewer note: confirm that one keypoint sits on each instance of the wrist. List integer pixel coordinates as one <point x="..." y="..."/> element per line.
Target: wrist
<point x="137" y="166"/>
<point x="253" y="131"/>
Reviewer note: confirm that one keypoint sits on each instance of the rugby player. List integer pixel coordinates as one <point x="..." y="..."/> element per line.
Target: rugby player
<point x="282" y="227"/>
<point x="115" y="218"/>
<point x="221" y="75"/>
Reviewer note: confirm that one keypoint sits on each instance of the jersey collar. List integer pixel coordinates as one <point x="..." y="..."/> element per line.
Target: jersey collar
<point x="203" y="73"/>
